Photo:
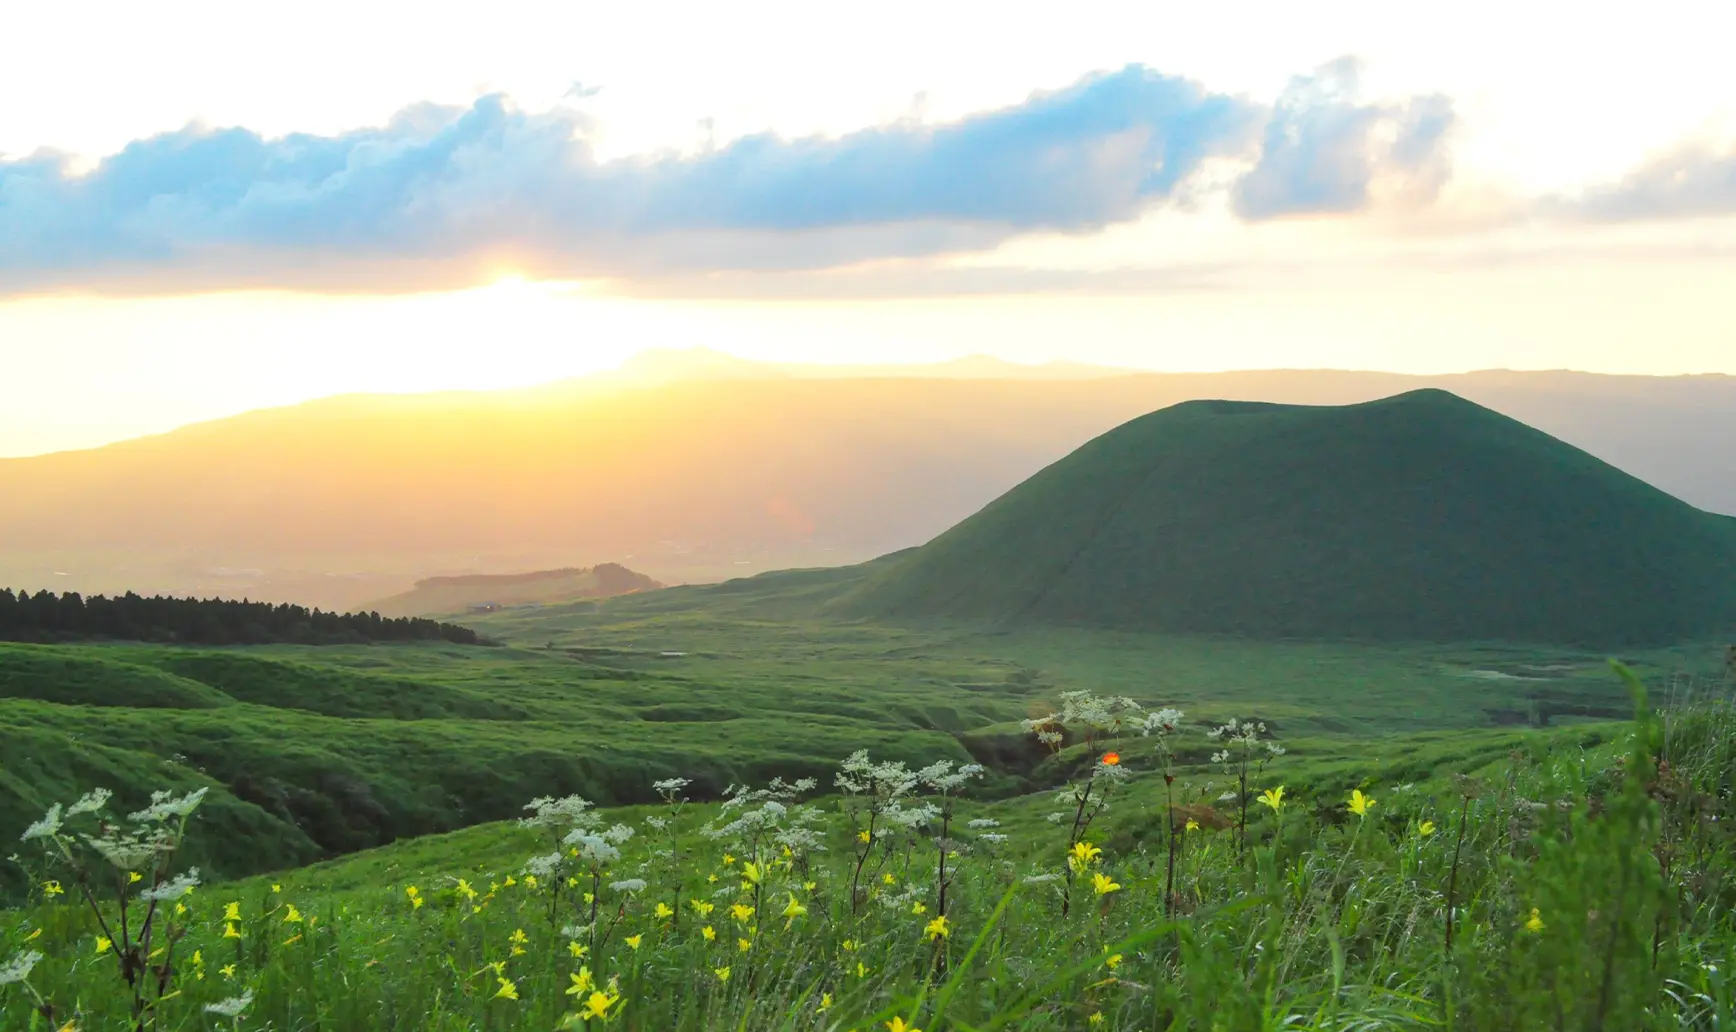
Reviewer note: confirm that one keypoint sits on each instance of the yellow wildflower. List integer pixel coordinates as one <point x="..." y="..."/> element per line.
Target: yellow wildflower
<point x="1096" y="1018"/>
<point x="508" y="989"/>
<point x="704" y="907"/>
<point x="292" y="915"/>
<point x="663" y="910"/>
<point x="899" y="1025"/>
<point x="1102" y="884"/>
<point x="1114" y="961"/>
<point x="582" y="983"/>
<point x="232" y="911"/>
<point x="597" y="1005"/>
<point x="864" y="836"/>
<point x="741" y="912"/>
<point x="227" y="971"/>
<point x="722" y="973"/>
<point x="918" y="907"/>
<point x="744" y="944"/>
<point x="793" y="910"/>
<point x="727" y="859"/>
<point x="751" y="872"/>
<point x="938" y="928"/>
<point x="634" y="940"/>
<point x="709" y="932"/>
<point x="1272" y="797"/>
<point x="134" y="877"/>
<point x="509" y="882"/>
<point x="888" y="879"/>
<point x="276" y="887"/>
<point x="1359" y="804"/>
<point x="825" y="1001"/>
<point x="530" y="881"/>
<point x="229" y="931"/>
<point x="1426" y="828"/>
<point x="102" y="945"/>
<point x="51" y="889"/>
<point x="1192" y="825"/>
<point x="577" y="950"/>
<point x="1534" y="923"/>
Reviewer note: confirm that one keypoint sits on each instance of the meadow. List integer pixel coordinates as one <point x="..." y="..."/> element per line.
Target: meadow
<point x="1577" y="853"/>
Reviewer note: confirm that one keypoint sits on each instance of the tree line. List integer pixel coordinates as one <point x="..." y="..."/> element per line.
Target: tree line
<point x="48" y="617"/>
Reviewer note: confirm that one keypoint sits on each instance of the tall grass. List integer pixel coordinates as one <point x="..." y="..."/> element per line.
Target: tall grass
<point x="1585" y="889"/>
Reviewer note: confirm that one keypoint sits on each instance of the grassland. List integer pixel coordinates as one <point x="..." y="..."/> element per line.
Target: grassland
<point x="1418" y="517"/>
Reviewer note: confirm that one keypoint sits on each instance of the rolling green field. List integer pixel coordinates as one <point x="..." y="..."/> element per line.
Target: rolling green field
<point x="339" y="776"/>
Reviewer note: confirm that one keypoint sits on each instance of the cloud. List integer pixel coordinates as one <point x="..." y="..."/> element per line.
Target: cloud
<point x="1695" y="179"/>
<point x="441" y="196"/>
<point x="1325" y="152"/>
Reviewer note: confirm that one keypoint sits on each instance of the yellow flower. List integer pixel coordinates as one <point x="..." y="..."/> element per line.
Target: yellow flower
<point x="861" y="970"/>
<point x="744" y="944"/>
<point x="793" y="910"/>
<point x="938" y="928"/>
<point x="1273" y="797"/>
<point x="712" y="878"/>
<point x="1103" y="885"/>
<point x="664" y="911"/>
<point x="1426" y="828"/>
<point x="276" y="887"/>
<point x="1085" y="853"/>
<point x="52" y="889"/>
<point x="898" y="1025"/>
<point x="864" y="836"/>
<point x="518" y="938"/>
<point x="227" y="971"/>
<point x="33" y="936"/>
<point x="72" y="1025"/>
<point x="508" y="989"/>
<point x="1534" y="923"/>
<point x="232" y="911"/>
<point x="530" y="881"/>
<point x="634" y="940"/>
<point x="918" y="907"/>
<point x="464" y="887"/>
<point x="809" y="886"/>
<point x="709" y="932"/>
<point x="597" y="1006"/>
<point x="509" y="882"/>
<point x="1096" y="1018"/>
<point x="292" y="915"/>
<point x="703" y="906"/>
<point x="888" y="879"/>
<point x="727" y="859"/>
<point x="1360" y="804"/>
<point x="582" y="983"/>
<point x="1114" y="961"/>
<point x="741" y="912"/>
<point x="229" y="931"/>
<point x="577" y="950"/>
<point x="849" y="945"/>
<point x="180" y="909"/>
<point x="198" y="957"/>
<point x="102" y="945"/>
<point x="751" y="872"/>
<point x="134" y="877"/>
<point x="1192" y="825"/>
<point x="825" y="1001"/>
<point x="722" y="973"/>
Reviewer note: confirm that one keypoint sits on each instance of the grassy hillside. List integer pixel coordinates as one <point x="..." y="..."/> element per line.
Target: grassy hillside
<point x="340" y="501"/>
<point x="442" y="595"/>
<point x="1419" y="517"/>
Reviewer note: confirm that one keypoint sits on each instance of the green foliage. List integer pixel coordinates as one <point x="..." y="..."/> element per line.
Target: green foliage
<point x="1422" y="517"/>
<point x="1591" y="895"/>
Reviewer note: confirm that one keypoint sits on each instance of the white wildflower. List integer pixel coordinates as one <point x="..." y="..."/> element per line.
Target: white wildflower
<point x="18" y="968"/>
<point x="92" y="801"/>
<point x="992" y="836"/>
<point x="47" y="827"/>
<point x="173" y="889"/>
<point x="543" y="866"/>
<point x="985" y="822"/>
<point x="628" y="885"/>
<point x="1041" y="879"/>
<point x="164" y="806"/>
<point x="232" y="1007"/>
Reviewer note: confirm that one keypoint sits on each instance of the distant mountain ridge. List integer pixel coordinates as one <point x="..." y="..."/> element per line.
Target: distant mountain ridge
<point x="1417" y="517"/>
<point x="454" y="594"/>
<point x="344" y="500"/>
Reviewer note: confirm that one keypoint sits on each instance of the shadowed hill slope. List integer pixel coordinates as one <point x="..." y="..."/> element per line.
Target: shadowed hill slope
<point x="455" y="594"/>
<point x="1421" y="516"/>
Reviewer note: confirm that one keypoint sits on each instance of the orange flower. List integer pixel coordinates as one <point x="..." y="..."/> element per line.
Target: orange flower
<point x="1110" y="759"/>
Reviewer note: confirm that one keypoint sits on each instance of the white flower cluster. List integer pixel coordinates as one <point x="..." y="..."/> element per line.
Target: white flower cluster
<point x="18" y="968"/>
<point x="164" y="806"/>
<point x="863" y="777"/>
<point x="941" y="777"/>
<point x="570" y="812"/>
<point x="232" y="1007"/>
<point x="669" y="788"/>
<point x="174" y="888"/>
<point x="1241" y="739"/>
<point x="628" y="885"/>
<point x="1166" y="721"/>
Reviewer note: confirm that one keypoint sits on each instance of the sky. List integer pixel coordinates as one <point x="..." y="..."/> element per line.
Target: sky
<point x="210" y="207"/>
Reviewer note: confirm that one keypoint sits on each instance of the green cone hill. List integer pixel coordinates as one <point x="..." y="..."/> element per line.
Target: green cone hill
<point x="1418" y="517"/>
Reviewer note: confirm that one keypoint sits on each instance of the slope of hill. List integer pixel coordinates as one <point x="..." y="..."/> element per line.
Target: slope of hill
<point x="433" y="595"/>
<point x="337" y="502"/>
<point x="1421" y="516"/>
